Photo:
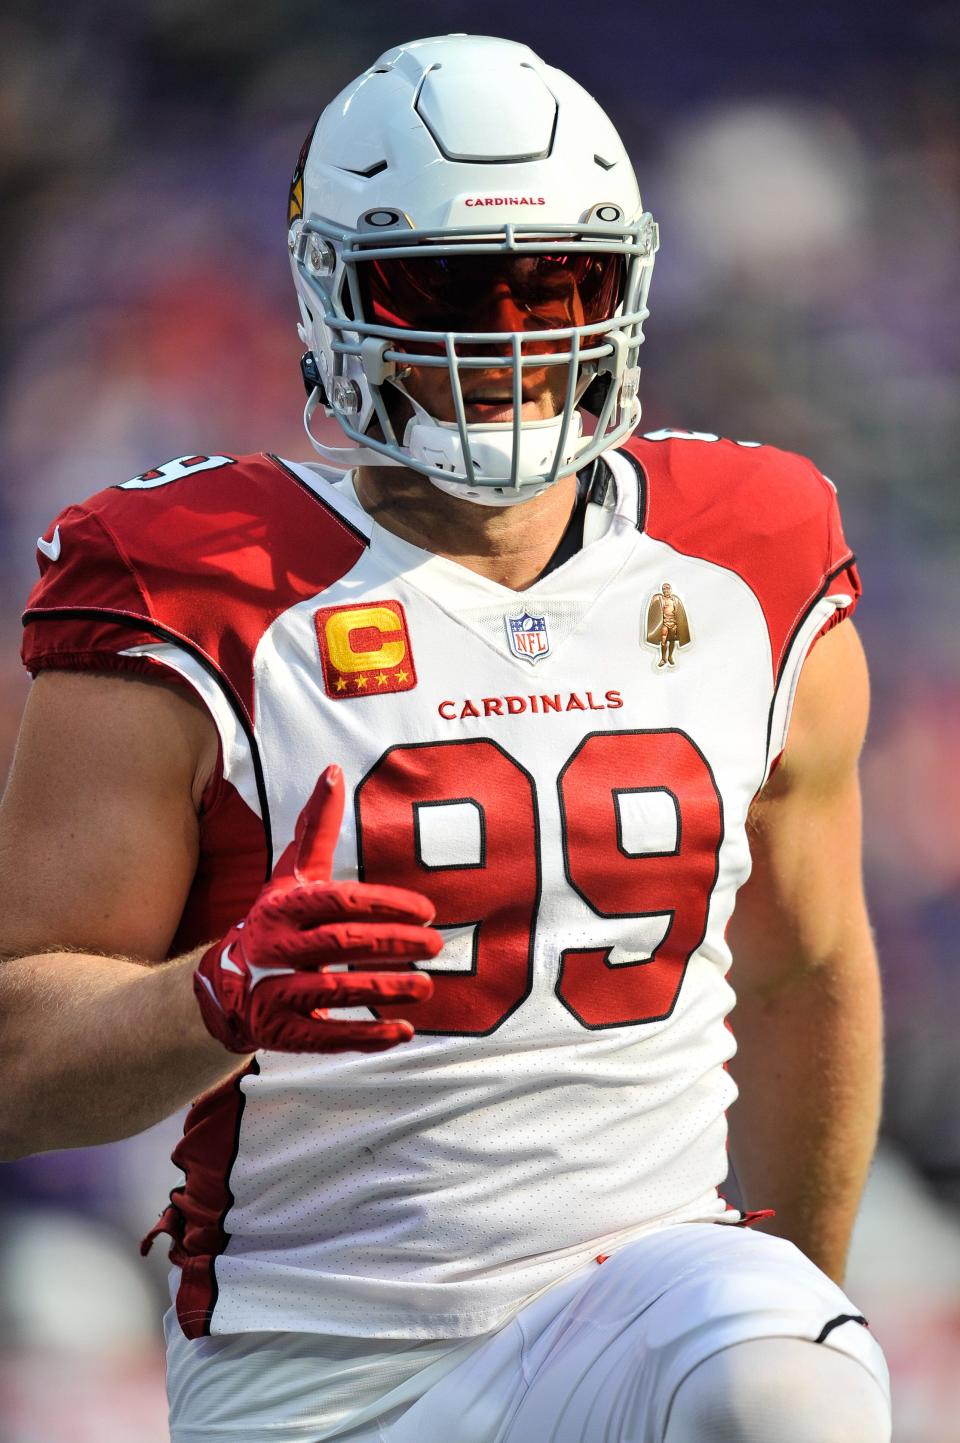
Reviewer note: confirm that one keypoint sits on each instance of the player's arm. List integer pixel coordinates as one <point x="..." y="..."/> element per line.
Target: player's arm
<point x="98" y="847"/>
<point x="808" y="1014"/>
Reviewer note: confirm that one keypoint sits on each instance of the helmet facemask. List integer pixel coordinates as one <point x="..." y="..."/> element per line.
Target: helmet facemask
<point x="492" y="308"/>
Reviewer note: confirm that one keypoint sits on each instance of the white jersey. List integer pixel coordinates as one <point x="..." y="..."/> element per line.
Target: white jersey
<point x="565" y="772"/>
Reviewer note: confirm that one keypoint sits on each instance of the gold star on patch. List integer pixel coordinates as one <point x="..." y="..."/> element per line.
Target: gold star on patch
<point x="361" y="682"/>
<point x="403" y="676"/>
<point x="341" y="684"/>
<point x="382" y="678"/>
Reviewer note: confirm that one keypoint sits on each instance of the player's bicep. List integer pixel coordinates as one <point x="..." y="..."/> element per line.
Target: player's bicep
<point x="98" y="825"/>
<point x="804" y="899"/>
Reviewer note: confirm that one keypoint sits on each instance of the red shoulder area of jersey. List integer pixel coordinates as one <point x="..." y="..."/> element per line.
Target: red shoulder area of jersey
<point x="204" y="550"/>
<point x="769" y="515"/>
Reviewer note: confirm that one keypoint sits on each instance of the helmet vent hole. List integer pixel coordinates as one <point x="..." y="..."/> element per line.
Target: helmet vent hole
<point x="370" y="171"/>
<point x="604" y="164"/>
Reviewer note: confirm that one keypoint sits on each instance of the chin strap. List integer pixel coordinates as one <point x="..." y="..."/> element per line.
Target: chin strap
<point x="344" y="457"/>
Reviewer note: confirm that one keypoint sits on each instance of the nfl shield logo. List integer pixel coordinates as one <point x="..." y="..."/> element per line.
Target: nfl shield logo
<point x="528" y="636"/>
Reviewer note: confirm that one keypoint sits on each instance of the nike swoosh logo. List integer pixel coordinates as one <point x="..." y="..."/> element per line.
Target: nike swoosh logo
<point x="257" y="974"/>
<point x="50" y="548"/>
<point x="254" y="973"/>
<point x="227" y="964"/>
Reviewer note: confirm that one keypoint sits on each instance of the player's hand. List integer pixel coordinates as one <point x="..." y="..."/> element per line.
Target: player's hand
<point x="266" y="983"/>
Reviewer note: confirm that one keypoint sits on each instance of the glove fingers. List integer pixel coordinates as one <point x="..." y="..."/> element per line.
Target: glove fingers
<point x="309" y="1034"/>
<point x="367" y="899"/>
<point x="300" y="992"/>
<point x="318" y="828"/>
<point x="369" y="1036"/>
<point x="358" y="942"/>
<point x="309" y="857"/>
<point x="315" y="902"/>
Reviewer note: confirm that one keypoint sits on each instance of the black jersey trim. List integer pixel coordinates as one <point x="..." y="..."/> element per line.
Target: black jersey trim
<point x="797" y="628"/>
<point x="163" y="633"/>
<point x="837" y="1322"/>
<point x="643" y="484"/>
<point x="600" y="480"/>
<point x="831" y="576"/>
<point x="571" y="542"/>
<point x="320" y="500"/>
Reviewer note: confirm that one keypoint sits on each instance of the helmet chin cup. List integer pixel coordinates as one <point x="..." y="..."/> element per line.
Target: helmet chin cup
<point x="490" y="495"/>
<point x="494" y="460"/>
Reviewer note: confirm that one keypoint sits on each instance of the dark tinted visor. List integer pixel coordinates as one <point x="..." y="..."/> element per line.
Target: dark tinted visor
<point x="496" y="292"/>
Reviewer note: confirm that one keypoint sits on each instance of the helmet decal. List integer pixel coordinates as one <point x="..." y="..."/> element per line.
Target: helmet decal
<point x="295" y="200"/>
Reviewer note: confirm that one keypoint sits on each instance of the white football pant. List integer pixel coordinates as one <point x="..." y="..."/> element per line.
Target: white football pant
<point x="697" y="1333"/>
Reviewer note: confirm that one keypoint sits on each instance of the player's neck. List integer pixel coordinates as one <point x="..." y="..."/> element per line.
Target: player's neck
<point x="511" y="545"/>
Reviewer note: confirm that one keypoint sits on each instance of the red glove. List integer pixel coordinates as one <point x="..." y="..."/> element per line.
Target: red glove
<point x="265" y="983"/>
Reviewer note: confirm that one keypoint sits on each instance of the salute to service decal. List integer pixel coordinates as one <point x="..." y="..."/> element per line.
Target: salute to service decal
<point x="365" y="649"/>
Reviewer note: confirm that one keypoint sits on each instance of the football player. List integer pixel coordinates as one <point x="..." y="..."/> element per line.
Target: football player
<point x="354" y="801"/>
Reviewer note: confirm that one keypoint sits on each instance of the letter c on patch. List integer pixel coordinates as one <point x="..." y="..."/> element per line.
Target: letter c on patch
<point x="370" y="623"/>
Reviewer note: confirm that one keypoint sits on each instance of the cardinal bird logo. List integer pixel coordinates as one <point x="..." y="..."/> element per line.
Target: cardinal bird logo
<point x="295" y="200"/>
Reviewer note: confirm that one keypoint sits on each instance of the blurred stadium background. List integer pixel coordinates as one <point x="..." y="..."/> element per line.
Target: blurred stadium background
<point x="804" y="166"/>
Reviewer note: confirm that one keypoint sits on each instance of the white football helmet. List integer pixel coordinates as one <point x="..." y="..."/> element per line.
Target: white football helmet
<point x="463" y="206"/>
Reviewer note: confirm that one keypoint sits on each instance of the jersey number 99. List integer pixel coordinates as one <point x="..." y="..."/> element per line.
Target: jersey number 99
<point x="498" y="894"/>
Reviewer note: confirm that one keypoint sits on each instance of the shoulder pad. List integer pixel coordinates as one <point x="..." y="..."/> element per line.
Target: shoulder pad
<point x="205" y="551"/>
<point x="769" y="515"/>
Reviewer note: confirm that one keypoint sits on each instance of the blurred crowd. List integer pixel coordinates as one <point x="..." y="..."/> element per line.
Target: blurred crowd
<point x="805" y="170"/>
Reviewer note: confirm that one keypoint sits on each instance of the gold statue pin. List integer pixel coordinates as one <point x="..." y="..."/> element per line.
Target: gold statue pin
<point x="667" y="624"/>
